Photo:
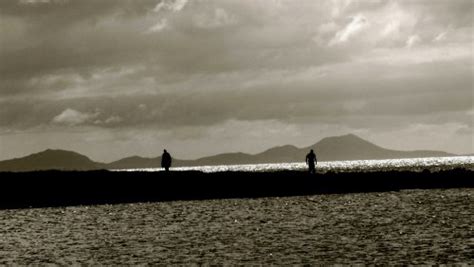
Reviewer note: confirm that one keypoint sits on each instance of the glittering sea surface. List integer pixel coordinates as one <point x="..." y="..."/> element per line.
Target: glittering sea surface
<point x="413" y="164"/>
<point x="406" y="227"/>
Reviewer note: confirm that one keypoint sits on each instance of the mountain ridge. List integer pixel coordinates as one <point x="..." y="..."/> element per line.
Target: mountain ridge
<point x="344" y="147"/>
<point x="51" y="159"/>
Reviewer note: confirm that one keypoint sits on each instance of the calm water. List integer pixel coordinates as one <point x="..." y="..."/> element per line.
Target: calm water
<point x="406" y="227"/>
<point x="415" y="164"/>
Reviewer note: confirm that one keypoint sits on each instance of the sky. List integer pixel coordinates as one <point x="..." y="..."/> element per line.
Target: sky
<point x="116" y="78"/>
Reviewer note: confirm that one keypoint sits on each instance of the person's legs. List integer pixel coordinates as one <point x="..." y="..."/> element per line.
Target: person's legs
<point x="311" y="168"/>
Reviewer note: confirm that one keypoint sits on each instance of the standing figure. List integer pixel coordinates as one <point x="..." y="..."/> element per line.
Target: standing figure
<point x="311" y="161"/>
<point x="166" y="160"/>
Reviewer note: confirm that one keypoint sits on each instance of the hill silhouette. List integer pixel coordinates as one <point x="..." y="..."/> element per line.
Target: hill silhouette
<point x="345" y="147"/>
<point x="352" y="147"/>
<point x="136" y="162"/>
<point x="51" y="159"/>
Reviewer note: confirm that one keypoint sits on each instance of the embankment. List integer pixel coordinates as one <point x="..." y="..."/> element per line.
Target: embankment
<point x="61" y="188"/>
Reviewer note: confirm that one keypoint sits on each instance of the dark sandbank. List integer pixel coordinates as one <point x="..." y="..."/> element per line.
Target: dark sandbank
<point x="63" y="188"/>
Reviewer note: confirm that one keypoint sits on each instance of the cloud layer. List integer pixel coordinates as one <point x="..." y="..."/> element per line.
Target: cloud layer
<point x="111" y="71"/>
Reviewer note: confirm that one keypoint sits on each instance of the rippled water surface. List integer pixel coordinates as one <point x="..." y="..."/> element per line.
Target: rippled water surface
<point x="411" y="226"/>
<point x="414" y="164"/>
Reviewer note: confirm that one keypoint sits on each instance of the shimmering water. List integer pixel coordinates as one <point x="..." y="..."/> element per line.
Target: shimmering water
<point x="406" y="227"/>
<point x="414" y="164"/>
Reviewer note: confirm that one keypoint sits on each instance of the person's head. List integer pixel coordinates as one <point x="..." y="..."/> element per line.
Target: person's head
<point x="164" y="151"/>
<point x="312" y="151"/>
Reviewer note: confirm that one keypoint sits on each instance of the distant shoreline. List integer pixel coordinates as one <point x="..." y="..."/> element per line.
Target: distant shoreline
<point x="347" y="147"/>
<point x="66" y="188"/>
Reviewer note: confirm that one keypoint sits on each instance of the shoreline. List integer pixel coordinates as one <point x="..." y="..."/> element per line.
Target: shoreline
<point x="70" y="188"/>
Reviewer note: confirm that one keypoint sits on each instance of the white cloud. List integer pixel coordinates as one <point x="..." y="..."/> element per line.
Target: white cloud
<point x="159" y="26"/>
<point x="358" y="23"/>
<point x="165" y="6"/>
<point x="174" y="6"/>
<point x="113" y="119"/>
<point x="142" y="106"/>
<point x="29" y="2"/>
<point x="413" y="40"/>
<point x="74" y="117"/>
<point x="392" y="28"/>
<point x="440" y="37"/>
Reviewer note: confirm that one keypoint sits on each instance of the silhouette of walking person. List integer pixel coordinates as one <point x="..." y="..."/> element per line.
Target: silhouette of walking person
<point x="166" y="160"/>
<point x="311" y="161"/>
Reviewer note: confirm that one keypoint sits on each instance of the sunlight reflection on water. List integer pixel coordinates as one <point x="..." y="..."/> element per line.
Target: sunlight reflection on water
<point x="413" y="164"/>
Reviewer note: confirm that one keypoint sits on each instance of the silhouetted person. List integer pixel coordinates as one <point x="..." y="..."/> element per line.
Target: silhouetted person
<point x="311" y="161"/>
<point x="166" y="160"/>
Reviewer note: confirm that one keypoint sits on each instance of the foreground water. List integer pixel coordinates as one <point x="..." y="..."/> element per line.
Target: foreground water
<point x="412" y="164"/>
<point x="406" y="227"/>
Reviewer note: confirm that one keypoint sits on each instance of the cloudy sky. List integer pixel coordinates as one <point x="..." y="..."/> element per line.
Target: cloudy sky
<point x="117" y="78"/>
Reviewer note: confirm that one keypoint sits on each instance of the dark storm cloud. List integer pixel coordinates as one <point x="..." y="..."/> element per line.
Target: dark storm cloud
<point x="59" y="13"/>
<point x="50" y="37"/>
<point x="331" y="101"/>
<point x="200" y="65"/>
<point x="84" y="55"/>
<point x="77" y="35"/>
<point x="211" y="38"/>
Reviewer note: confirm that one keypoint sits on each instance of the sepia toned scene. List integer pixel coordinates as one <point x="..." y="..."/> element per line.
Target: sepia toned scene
<point x="244" y="132"/>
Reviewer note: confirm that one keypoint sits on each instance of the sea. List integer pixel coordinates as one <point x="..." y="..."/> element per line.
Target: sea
<point x="406" y="227"/>
<point x="432" y="164"/>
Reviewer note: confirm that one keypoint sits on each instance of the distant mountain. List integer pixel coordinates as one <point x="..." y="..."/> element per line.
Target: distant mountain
<point x="352" y="147"/>
<point x="345" y="147"/>
<point x="50" y="160"/>
<point x="224" y="159"/>
<point x="136" y="162"/>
